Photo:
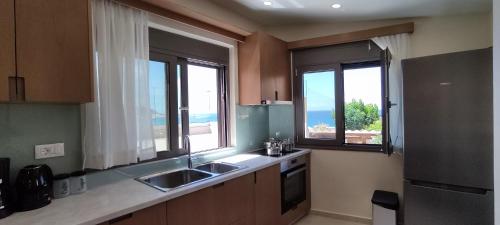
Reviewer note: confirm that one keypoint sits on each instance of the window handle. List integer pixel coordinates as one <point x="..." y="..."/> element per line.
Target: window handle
<point x="184" y="108"/>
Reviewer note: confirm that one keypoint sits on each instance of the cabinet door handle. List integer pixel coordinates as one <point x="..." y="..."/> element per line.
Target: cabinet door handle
<point x="16" y="89"/>
<point x="121" y="218"/>
<point x="276" y="95"/>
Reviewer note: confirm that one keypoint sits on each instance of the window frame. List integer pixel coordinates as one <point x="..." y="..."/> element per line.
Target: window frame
<point x="222" y="103"/>
<point x="173" y="107"/>
<point x="299" y="105"/>
<point x="339" y="143"/>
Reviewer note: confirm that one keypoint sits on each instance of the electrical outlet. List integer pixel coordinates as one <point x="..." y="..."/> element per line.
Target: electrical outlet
<point x="49" y="151"/>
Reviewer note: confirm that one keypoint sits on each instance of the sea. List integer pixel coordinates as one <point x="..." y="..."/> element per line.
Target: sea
<point x="320" y="117"/>
<point x="313" y="118"/>
<point x="195" y="118"/>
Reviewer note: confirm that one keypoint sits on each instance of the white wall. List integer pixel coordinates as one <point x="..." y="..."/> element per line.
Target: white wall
<point x="343" y="181"/>
<point x="496" y="102"/>
<point x="218" y="13"/>
<point x="433" y="35"/>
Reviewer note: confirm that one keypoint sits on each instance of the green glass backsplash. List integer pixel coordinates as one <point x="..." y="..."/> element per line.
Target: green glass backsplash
<point x="252" y="126"/>
<point x="22" y="126"/>
<point x="255" y="124"/>
<point x="281" y="120"/>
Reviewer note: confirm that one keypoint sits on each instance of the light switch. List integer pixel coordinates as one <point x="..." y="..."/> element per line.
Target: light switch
<point x="49" y="151"/>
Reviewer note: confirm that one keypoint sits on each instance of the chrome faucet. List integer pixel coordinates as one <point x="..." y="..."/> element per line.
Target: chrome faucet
<point x="187" y="146"/>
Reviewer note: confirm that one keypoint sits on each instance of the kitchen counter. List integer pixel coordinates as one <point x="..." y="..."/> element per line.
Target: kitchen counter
<point x="115" y="193"/>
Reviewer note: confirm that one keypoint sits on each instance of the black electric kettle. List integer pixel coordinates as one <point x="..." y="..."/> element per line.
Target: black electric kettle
<point x="34" y="187"/>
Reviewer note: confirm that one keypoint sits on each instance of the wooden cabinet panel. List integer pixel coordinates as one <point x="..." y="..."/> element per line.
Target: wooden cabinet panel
<point x="155" y="215"/>
<point x="264" y="69"/>
<point x="276" y="69"/>
<point x="295" y="214"/>
<point x="7" y="47"/>
<point x="249" y="71"/>
<point x="192" y="209"/>
<point x="53" y="50"/>
<point x="268" y="196"/>
<point x="235" y="201"/>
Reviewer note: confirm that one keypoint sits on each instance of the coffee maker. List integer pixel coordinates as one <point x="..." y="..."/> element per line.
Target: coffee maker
<point x="33" y="187"/>
<point x="5" y="196"/>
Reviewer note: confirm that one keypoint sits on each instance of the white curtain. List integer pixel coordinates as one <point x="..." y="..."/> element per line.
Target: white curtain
<point x="399" y="47"/>
<point x="117" y="126"/>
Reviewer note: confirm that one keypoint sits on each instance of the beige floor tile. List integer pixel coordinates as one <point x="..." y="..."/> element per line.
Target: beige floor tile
<point x="323" y="220"/>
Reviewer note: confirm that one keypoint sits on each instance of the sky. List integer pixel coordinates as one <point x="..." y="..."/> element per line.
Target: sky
<point x="202" y="88"/>
<point x="363" y="84"/>
<point x="319" y="88"/>
<point x="157" y="85"/>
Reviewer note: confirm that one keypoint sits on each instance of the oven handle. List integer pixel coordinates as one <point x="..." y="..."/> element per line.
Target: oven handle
<point x="288" y="175"/>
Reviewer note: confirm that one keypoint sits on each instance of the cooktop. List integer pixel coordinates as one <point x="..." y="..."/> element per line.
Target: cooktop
<point x="264" y="153"/>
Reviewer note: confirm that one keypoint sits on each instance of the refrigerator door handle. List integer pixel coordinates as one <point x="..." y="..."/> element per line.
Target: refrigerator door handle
<point x="471" y="190"/>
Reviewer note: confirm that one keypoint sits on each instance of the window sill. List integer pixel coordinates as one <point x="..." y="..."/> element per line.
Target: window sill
<point x="354" y="148"/>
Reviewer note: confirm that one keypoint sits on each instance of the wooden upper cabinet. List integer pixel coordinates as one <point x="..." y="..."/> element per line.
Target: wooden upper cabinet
<point x="53" y="40"/>
<point x="268" y="196"/>
<point x="154" y="215"/>
<point x="264" y="69"/>
<point x="7" y="47"/>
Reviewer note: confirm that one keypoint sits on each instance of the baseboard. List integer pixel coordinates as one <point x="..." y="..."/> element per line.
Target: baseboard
<point x="341" y="216"/>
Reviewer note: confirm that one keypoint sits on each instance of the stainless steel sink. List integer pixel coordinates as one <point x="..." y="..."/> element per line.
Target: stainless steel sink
<point x="218" y="168"/>
<point x="169" y="180"/>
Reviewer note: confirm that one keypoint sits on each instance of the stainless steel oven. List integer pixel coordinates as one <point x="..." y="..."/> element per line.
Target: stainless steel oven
<point x="293" y="183"/>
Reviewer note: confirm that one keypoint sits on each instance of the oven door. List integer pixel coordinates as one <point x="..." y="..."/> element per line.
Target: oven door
<point x="293" y="188"/>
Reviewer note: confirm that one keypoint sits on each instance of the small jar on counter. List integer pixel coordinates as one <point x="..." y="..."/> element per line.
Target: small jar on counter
<point x="78" y="182"/>
<point x="61" y="185"/>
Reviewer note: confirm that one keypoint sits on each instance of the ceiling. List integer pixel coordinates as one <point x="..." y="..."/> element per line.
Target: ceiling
<point x="283" y="12"/>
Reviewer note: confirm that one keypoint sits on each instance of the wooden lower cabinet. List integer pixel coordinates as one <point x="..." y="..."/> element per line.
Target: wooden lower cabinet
<point x="192" y="209"/>
<point x="227" y="203"/>
<point x="235" y="201"/>
<point x="154" y="215"/>
<point x="294" y="215"/>
<point x="268" y="196"/>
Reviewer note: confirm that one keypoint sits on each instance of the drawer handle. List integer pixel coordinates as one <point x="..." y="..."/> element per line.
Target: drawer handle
<point x="295" y="172"/>
<point x="121" y="218"/>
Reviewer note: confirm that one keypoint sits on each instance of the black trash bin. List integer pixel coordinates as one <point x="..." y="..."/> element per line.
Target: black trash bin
<point x="384" y="207"/>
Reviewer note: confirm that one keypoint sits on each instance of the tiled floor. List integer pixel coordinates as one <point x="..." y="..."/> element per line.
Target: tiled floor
<point x="312" y="219"/>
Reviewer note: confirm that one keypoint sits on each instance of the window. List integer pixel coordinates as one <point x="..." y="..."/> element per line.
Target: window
<point x="341" y="104"/>
<point x="363" y="104"/>
<point x="319" y="104"/>
<point x="158" y="102"/>
<point x="188" y="93"/>
<point x="194" y="106"/>
<point x="203" y="95"/>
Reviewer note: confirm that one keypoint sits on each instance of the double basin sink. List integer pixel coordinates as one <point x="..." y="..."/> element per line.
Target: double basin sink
<point x="169" y="180"/>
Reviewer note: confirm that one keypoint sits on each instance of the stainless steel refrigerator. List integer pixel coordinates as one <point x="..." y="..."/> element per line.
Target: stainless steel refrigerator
<point x="448" y="145"/>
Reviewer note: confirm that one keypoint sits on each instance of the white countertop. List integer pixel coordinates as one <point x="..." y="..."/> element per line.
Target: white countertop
<point x="125" y="195"/>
